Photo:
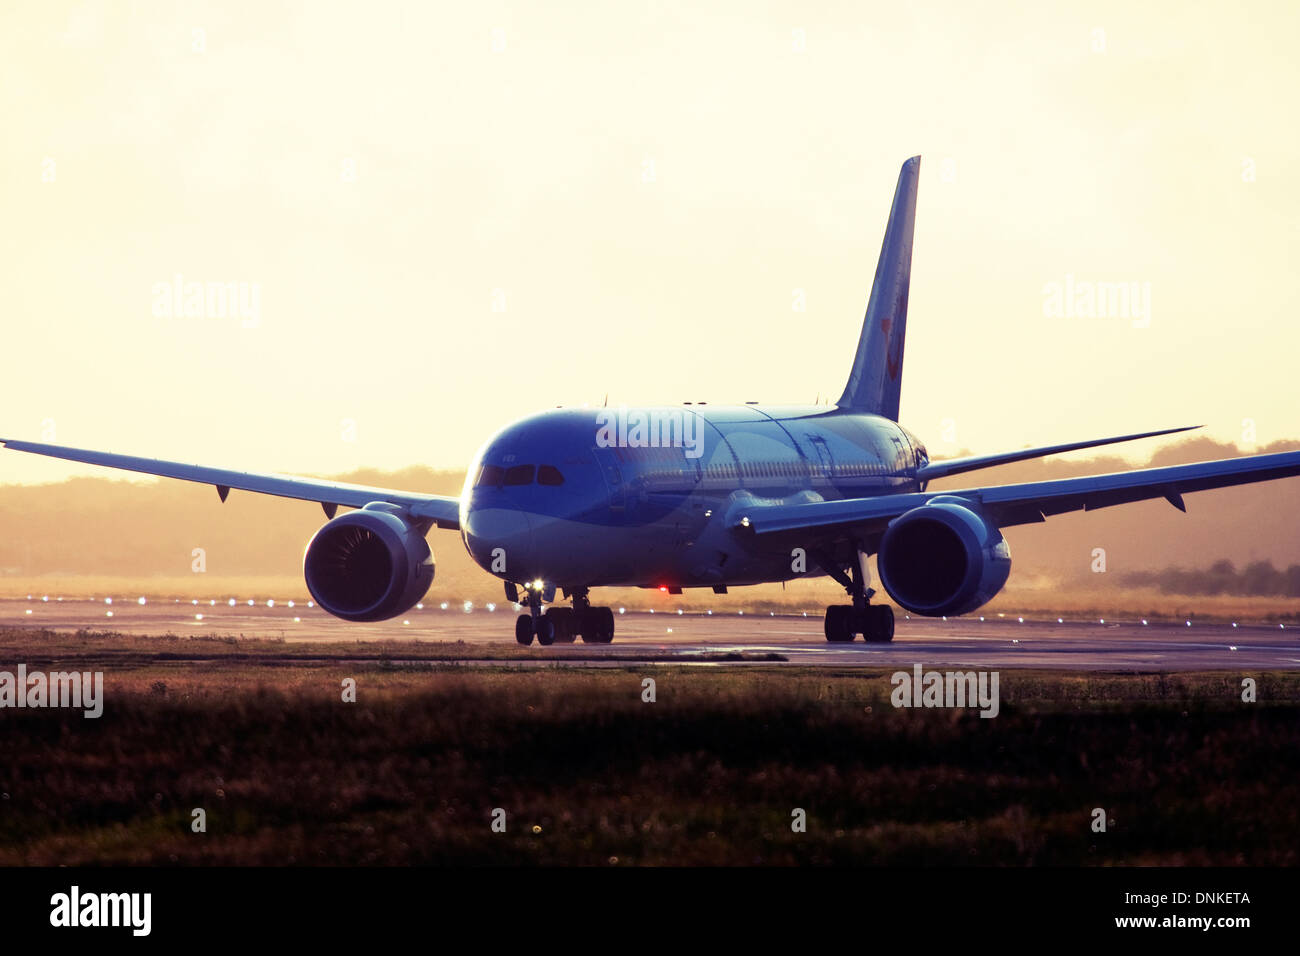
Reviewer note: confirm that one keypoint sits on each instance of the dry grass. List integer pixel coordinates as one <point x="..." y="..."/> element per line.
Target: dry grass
<point x="708" y="774"/>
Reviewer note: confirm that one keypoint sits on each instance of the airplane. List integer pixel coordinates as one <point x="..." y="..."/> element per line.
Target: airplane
<point x="697" y="496"/>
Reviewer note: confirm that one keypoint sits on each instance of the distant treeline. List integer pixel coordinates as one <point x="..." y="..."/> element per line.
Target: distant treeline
<point x="1257" y="578"/>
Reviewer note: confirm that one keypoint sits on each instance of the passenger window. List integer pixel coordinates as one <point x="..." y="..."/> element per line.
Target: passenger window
<point x="490" y="476"/>
<point x="549" y="475"/>
<point x="519" y="475"/>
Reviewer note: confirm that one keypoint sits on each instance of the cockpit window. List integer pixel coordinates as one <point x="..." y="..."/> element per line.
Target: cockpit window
<point x="519" y="475"/>
<point x="549" y="475"/>
<point x="489" y="476"/>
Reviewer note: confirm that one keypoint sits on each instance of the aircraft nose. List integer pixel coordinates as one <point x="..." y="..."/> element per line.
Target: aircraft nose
<point x="499" y="539"/>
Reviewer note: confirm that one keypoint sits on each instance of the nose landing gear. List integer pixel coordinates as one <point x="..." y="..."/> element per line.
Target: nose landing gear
<point x="595" y="625"/>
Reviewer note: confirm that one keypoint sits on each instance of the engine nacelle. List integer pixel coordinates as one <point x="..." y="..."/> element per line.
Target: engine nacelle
<point x="368" y="565"/>
<point x="943" y="558"/>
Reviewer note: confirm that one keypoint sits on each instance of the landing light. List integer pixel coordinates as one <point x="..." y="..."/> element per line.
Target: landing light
<point x="137" y="600"/>
<point x="538" y="584"/>
<point x="744" y="522"/>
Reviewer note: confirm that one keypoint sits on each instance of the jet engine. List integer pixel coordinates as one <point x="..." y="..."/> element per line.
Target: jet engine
<point x="943" y="558"/>
<point x="368" y="565"/>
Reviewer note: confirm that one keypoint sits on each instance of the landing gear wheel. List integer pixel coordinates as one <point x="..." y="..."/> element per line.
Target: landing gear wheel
<point x="597" y="625"/>
<point x="563" y="619"/>
<point x="838" y="623"/>
<point x="524" y="629"/>
<point x="604" y="625"/>
<point x="880" y="624"/>
<point x="545" y="630"/>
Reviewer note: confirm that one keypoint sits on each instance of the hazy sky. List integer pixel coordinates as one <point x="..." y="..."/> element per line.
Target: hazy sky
<point x="456" y="214"/>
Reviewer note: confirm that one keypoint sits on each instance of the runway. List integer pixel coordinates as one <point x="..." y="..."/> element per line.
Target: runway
<point x="750" y="640"/>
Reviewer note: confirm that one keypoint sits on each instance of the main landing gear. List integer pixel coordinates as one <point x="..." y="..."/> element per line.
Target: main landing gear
<point x="844" y="622"/>
<point x="563" y="625"/>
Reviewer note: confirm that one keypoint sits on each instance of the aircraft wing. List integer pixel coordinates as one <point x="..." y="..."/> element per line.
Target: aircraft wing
<point x="954" y="466"/>
<point x="444" y="511"/>
<point x="1033" y="501"/>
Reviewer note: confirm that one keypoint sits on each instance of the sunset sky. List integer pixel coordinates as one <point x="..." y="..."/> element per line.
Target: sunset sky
<point x="454" y="215"/>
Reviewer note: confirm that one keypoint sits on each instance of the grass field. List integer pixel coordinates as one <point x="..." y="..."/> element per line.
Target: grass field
<point x="590" y="774"/>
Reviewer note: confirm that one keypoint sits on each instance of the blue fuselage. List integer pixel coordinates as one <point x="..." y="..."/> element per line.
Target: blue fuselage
<point x="583" y="497"/>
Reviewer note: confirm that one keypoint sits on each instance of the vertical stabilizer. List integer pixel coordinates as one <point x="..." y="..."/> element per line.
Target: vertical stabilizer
<point x="877" y="376"/>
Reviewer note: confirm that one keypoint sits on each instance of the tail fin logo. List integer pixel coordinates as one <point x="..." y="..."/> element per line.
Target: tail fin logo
<point x="894" y="360"/>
